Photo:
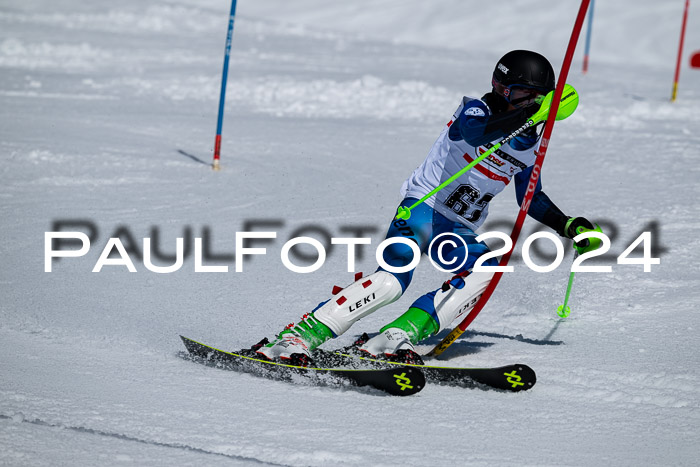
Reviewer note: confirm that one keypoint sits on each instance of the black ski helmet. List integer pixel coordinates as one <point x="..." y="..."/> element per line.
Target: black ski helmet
<point x="525" y="68"/>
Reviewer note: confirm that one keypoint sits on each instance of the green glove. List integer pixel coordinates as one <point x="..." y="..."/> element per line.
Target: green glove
<point x="578" y="225"/>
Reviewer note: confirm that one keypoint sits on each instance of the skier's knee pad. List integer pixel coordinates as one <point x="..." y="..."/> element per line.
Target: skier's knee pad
<point x="455" y="298"/>
<point x="358" y="300"/>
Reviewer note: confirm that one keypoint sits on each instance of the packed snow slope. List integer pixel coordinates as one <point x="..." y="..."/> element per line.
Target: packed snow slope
<point x="108" y="112"/>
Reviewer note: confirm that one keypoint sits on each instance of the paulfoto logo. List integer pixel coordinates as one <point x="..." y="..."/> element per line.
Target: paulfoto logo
<point x="440" y="253"/>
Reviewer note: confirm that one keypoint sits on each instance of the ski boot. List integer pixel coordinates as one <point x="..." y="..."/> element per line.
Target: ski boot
<point x="392" y="344"/>
<point x="332" y="317"/>
<point x="428" y="315"/>
<point x="395" y="341"/>
<point x="294" y="344"/>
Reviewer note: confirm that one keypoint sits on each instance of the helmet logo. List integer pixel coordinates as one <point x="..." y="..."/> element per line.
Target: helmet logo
<point x="503" y="68"/>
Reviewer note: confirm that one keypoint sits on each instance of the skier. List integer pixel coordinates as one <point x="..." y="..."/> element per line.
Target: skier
<point x="519" y="77"/>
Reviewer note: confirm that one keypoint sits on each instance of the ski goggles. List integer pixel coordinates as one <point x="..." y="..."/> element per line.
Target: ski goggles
<point x="518" y="95"/>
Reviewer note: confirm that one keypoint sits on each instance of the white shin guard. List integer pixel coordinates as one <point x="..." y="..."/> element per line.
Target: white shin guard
<point x="452" y="303"/>
<point x="358" y="300"/>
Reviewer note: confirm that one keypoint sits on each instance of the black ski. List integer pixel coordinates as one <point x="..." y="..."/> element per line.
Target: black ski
<point x="513" y="378"/>
<point x="396" y="380"/>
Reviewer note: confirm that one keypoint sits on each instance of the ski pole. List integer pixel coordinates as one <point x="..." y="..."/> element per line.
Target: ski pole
<point x="564" y="310"/>
<point x="593" y="244"/>
<point x="569" y="102"/>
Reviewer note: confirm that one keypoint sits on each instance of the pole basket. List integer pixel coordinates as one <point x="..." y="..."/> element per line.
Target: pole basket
<point x="695" y="60"/>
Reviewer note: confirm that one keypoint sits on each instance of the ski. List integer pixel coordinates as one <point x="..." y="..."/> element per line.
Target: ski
<point x="513" y="378"/>
<point x="396" y="380"/>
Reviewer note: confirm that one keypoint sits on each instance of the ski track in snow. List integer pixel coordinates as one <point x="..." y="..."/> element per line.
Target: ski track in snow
<point x="108" y="114"/>
<point x="161" y="455"/>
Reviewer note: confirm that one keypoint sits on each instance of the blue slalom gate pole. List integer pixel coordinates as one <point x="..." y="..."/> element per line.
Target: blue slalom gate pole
<point x="224" y="77"/>
<point x="588" y="37"/>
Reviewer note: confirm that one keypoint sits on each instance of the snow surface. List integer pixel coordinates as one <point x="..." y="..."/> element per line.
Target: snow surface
<point x="108" y="116"/>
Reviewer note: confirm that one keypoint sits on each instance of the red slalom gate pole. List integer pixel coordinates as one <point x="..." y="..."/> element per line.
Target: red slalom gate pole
<point x="680" y="52"/>
<point x="525" y="206"/>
